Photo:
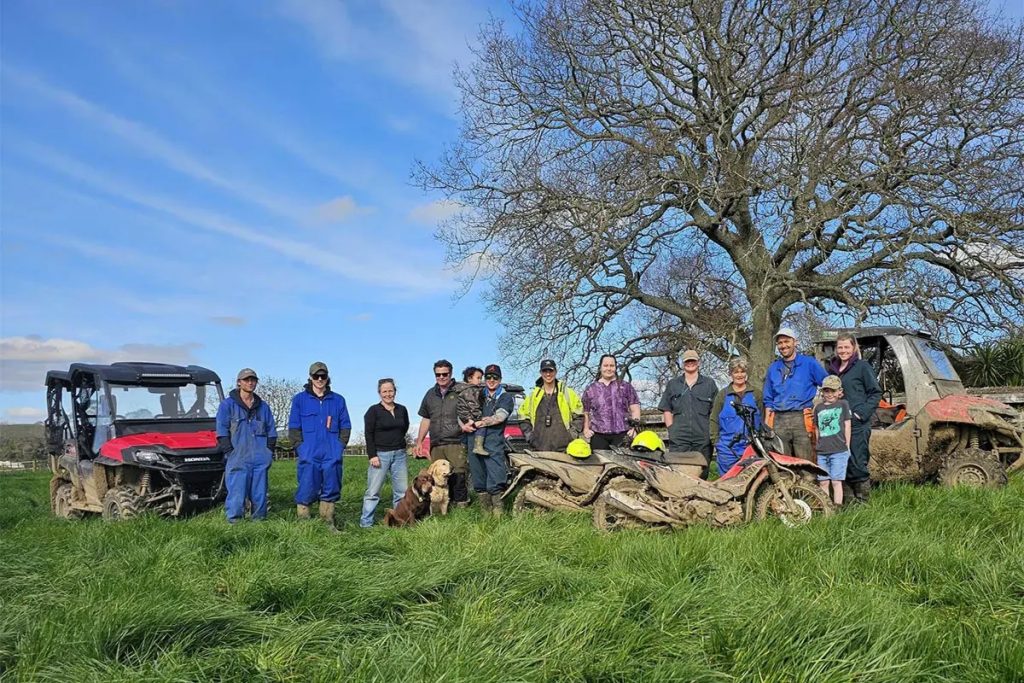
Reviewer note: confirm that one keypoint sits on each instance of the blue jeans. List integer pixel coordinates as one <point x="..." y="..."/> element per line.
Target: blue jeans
<point x="390" y="461"/>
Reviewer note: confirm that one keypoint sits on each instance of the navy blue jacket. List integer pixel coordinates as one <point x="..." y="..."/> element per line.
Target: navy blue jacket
<point x="860" y="389"/>
<point x="494" y="436"/>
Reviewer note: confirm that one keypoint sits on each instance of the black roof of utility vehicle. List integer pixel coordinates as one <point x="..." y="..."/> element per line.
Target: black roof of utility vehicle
<point x="147" y="373"/>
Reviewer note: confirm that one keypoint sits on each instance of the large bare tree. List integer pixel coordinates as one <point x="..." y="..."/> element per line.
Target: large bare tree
<point x="642" y="176"/>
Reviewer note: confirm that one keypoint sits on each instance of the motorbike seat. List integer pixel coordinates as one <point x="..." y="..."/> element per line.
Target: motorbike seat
<point x="684" y="458"/>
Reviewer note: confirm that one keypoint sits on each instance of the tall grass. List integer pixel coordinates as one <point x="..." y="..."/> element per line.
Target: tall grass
<point x="924" y="584"/>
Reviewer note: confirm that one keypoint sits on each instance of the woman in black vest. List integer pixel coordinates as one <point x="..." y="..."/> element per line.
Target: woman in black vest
<point x="861" y="391"/>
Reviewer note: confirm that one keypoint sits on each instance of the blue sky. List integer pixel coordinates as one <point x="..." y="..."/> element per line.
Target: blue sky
<point x="227" y="184"/>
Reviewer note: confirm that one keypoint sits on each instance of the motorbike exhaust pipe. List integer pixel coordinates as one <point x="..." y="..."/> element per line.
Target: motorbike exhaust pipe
<point x="632" y="506"/>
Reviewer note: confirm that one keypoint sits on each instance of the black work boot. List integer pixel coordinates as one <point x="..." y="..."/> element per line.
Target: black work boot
<point x="486" y="505"/>
<point x="862" y="490"/>
<point x="849" y="497"/>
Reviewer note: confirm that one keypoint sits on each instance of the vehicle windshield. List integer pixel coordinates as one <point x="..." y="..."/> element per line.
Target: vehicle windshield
<point x="192" y="401"/>
<point x="936" y="360"/>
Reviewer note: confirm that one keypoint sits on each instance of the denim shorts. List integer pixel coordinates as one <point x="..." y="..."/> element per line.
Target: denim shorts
<point x="834" y="464"/>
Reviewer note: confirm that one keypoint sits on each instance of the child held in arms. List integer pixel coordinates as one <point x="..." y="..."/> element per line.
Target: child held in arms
<point x="832" y="418"/>
<point x="471" y="400"/>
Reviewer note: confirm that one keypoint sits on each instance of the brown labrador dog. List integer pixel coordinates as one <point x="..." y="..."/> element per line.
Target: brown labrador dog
<point x="415" y="504"/>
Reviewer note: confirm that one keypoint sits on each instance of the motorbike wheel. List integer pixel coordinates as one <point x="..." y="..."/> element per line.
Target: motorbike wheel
<point x="521" y="505"/>
<point x="609" y="518"/>
<point x="809" y="499"/>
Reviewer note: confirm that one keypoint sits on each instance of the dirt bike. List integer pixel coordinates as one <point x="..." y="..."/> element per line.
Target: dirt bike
<point x="553" y="480"/>
<point x="763" y="483"/>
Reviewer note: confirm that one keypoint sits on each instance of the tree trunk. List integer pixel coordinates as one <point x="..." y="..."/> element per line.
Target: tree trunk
<point x="766" y="323"/>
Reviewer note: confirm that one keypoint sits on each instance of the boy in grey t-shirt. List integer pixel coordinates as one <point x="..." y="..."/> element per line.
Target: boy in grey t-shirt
<point x="832" y="420"/>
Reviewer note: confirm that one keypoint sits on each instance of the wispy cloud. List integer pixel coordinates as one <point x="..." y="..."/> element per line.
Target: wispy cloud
<point x="416" y="41"/>
<point x="366" y="263"/>
<point x="142" y="139"/>
<point x="24" y="414"/>
<point x="339" y="210"/>
<point x="434" y="212"/>
<point x="24" y="361"/>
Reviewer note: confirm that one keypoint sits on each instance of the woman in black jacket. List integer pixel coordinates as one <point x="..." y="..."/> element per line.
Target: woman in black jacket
<point x="387" y="424"/>
<point x="861" y="391"/>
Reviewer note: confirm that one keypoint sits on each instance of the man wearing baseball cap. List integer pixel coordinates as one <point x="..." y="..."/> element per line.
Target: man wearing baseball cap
<point x="319" y="429"/>
<point x="490" y="472"/>
<point x="686" y="406"/>
<point x="246" y="436"/>
<point x="790" y="386"/>
<point x="553" y="411"/>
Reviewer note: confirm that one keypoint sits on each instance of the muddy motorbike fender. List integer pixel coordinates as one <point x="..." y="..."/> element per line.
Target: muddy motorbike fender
<point x="523" y="471"/>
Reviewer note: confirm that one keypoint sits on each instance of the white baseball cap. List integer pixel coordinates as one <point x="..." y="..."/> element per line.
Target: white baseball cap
<point x="785" y="332"/>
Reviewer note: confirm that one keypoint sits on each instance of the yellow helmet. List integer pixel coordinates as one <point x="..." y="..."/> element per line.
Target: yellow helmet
<point x="578" y="448"/>
<point x="647" y="441"/>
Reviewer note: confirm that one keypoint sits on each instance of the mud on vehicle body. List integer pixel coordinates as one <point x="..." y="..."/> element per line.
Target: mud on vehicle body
<point x="929" y="428"/>
<point x="552" y="480"/>
<point x="129" y="437"/>
<point x="764" y="483"/>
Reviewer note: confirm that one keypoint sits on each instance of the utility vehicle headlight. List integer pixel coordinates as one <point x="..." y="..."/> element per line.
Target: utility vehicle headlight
<point x="147" y="456"/>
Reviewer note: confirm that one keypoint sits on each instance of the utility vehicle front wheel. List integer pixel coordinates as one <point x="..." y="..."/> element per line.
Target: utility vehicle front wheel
<point x="973" y="467"/>
<point x="121" y="503"/>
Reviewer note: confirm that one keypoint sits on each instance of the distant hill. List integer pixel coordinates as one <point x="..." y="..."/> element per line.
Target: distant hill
<point x="21" y="441"/>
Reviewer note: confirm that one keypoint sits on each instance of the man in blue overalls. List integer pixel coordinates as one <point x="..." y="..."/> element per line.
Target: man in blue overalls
<point x="319" y="429"/>
<point x="247" y="436"/>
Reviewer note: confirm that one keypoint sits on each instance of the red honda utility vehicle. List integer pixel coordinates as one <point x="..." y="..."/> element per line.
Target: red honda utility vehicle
<point x="129" y="437"/>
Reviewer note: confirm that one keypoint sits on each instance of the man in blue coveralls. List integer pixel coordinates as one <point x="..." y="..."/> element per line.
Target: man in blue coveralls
<point x="319" y="429"/>
<point x="247" y="436"/>
<point x="789" y="389"/>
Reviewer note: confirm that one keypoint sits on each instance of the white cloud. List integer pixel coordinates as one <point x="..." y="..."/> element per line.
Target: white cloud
<point x="25" y="414"/>
<point x="339" y="210"/>
<point x="435" y="212"/>
<point x="24" y="361"/>
<point x="361" y="317"/>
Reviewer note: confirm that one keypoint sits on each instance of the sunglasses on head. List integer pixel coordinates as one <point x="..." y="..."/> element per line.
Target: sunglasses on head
<point x="319" y="375"/>
<point x="442" y="374"/>
<point x="492" y="376"/>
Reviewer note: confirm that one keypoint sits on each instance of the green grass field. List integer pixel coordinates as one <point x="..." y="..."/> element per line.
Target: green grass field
<point x="922" y="585"/>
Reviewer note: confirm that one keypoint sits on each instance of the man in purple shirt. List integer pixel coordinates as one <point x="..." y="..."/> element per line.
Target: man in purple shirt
<point x="609" y="404"/>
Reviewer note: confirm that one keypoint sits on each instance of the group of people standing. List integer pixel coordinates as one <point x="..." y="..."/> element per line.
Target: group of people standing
<point x="465" y="423"/>
<point x="318" y="427"/>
